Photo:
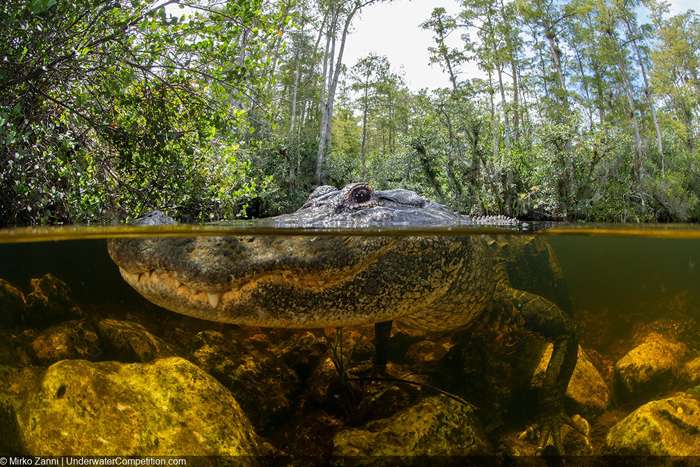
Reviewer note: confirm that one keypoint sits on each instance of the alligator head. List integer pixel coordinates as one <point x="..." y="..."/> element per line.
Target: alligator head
<point x="304" y="281"/>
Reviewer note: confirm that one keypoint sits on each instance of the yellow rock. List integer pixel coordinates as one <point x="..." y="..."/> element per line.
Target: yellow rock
<point x="168" y="407"/>
<point x="70" y="339"/>
<point x="691" y="371"/>
<point x="667" y="427"/>
<point x="586" y="389"/>
<point x="650" y="367"/>
<point x="127" y="341"/>
<point x="12" y="305"/>
<point x="436" y="426"/>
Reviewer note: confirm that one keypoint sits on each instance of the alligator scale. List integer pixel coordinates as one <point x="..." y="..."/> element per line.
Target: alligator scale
<point x="432" y="282"/>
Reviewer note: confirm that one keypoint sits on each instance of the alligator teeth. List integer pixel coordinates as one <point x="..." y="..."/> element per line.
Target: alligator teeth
<point x="129" y="276"/>
<point x="214" y="299"/>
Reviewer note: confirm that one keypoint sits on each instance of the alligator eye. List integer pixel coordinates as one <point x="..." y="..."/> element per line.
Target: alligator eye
<point x="361" y="194"/>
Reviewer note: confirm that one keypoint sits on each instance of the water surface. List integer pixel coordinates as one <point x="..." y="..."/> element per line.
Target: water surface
<point x="624" y="283"/>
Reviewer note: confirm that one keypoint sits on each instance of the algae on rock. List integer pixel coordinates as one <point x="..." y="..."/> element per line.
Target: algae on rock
<point x="264" y="384"/>
<point x="436" y="426"/>
<point x="127" y="341"/>
<point x="651" y="367"/>
<point x="70" y="339"/>
<point x="666" y="427"/>
<point x="168" y="407"/>
<point x="691" y="372"/>
<point x="49" y="302"/>
<point x="12" y="305"/>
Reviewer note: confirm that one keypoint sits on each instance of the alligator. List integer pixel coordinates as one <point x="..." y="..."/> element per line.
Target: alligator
<point x="431" y="282"/>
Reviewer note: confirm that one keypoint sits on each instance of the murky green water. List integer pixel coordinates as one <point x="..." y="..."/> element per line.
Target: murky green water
<point x="91" y="367"/>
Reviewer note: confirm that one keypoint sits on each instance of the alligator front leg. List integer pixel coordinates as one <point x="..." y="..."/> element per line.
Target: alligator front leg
<point x="382" y="333"/>
<point x="547" y="319"/>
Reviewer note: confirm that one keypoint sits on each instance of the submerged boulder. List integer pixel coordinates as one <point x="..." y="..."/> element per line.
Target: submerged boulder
<point x="651" y="367"/>
<point x="691" y="372"/>
<point x="299" y="350"/>
<point x="666" y="427"/>
<point x="15" y="386"/>
<point x="12" y="305"/>
<point x="15" y="347"/>
<point x="127" y="341"/>
<point x="436" y="426"/>
<point x="71" y="339"/>
<point x="587" y="389"/>
<point x="49" y="302"/>
<point x="168" y="407"/>
<point x="264" y="384"/>
<point x="575" y="440"/>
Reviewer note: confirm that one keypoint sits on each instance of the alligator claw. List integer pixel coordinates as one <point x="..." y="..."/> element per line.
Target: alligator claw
<point x="555" y="433"/>
<point x="550" y="440"/>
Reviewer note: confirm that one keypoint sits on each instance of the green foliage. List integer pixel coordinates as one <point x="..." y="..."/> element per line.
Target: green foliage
<point x="585" y="110"/>
<point x="109" y="109"/>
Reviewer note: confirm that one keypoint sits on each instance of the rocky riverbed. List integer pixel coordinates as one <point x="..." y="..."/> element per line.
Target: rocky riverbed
<point x="138" y="380"/>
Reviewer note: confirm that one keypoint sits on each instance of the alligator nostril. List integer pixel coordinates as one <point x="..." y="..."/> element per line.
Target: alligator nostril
<point x="61" y="391"/>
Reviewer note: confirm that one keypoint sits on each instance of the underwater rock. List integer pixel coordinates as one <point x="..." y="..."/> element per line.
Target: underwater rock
<point x="436" y="426"/>
<point x="383" y="400"/>
<point x="587" y="389"/>
<point x="575" y="442"/>
<point x="691" y="372"/>
<point x="15" y="347"/>
<point x="301" y="351"/>
<point x="168" y="407"/>
<point x="322" y="388"/>
<point x="17" y="384"/>
<point x="127" y="341"/>
<point x="651" y="367"/>
<point x="310" y="433"/>
<point x="12" y="305"/>
<point x="71" y="339"/>
<point x="364" y="396"/>
<point x="666" y="427"/>
<point x="429" y="351"/>
<point x="264" y="386"/>
<point x="49" y="302"/>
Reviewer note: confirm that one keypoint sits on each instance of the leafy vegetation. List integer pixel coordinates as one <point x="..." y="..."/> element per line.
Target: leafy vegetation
<point x="213" y="109"/>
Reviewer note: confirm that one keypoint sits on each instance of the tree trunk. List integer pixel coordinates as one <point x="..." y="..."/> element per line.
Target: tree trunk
<point x="543" y="66"/>
<point x="499" y="73"/>
<point x="632" y="107"/>
<point x="276" y="45"/>
<point x="295" y="87"/>
<point x="516" y="96"/>
<point x="363" y="145"/>
<point x="428" y="169"/>
<point x="445" y="56"/>
<point x="453" y="147"/>
<point x="327" y="115"/>
<point x="324" y="97"/>
<point x="584" y="82"/>
<point x="555" y="53"/>
<point x="495" y="124"/>
<point x="506" y="120"/>
<point x="647" y="92"/>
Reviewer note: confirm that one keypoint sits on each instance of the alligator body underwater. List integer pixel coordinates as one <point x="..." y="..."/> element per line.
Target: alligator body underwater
<point x="429" y="281"/>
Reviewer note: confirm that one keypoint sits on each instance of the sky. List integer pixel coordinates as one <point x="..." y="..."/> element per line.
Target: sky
<point x="392" y="29"/>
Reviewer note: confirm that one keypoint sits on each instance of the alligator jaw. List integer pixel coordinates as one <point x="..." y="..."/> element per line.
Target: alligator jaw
<point x="165" y="288"/>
